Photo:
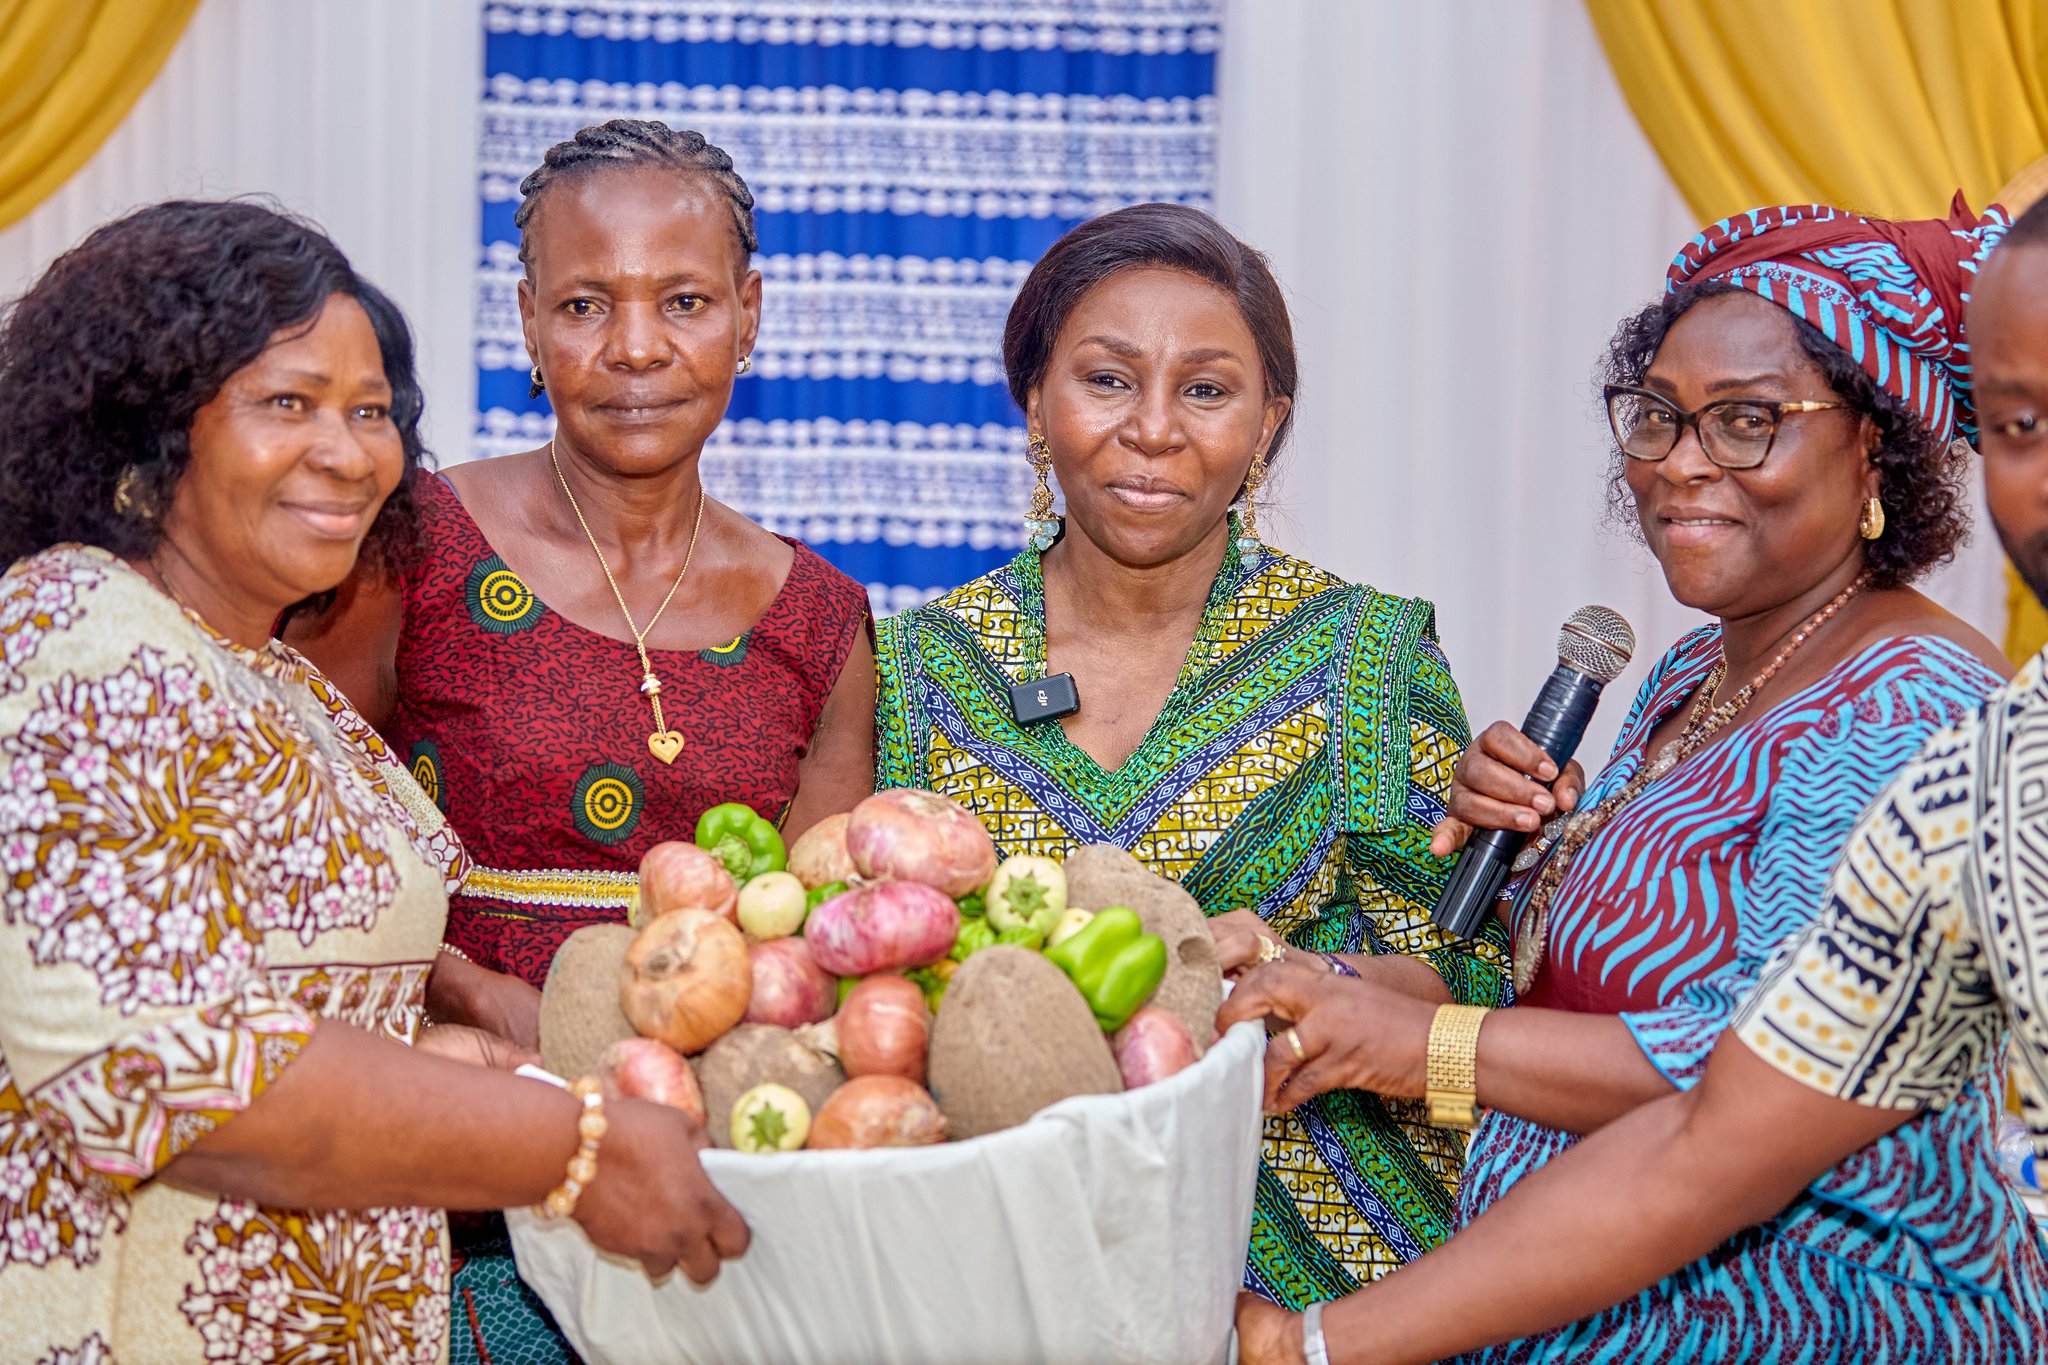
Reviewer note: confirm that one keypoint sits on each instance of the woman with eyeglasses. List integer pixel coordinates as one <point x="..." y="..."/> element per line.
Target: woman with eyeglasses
<point x="1783" y="420"/>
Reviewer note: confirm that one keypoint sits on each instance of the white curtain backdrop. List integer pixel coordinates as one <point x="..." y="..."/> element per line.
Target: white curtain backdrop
<point x="1462" y="207"/>
<point x="360" y="114"/>
<point x="1456" y="196"/>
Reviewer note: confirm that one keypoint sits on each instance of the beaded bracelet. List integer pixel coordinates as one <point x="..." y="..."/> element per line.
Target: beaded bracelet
<point x="590" y="1130"/>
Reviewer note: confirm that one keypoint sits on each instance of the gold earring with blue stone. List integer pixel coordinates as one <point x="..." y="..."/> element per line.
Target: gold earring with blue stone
<point x="1041" y="527"/>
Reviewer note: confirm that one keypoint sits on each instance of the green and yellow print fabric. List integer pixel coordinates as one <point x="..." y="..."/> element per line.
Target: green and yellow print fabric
<point x="498" y="599"/>
<point x="1296" y="768"/>
<point x="607" y="802"/>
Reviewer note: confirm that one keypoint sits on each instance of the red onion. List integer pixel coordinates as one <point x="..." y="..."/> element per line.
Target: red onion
<point x="686" y="979"/>
<point x="679" y="876"/>
<point x="1152" y="1046"/>
<point x="920" y="836"/>
<point x="649" y="1069"/>
<point x="884" y="1029"/>
<point x="789" y="987"/>
<point x="881" y="927"/>
<point x="878" y="1111"/>
<point x="819" y="857"/>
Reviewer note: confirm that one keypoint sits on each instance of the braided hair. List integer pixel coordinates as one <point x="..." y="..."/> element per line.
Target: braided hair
<point x="628" y="142"/>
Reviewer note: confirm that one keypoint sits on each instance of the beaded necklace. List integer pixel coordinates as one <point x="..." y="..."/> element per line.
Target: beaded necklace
<point x="1564" y="837"/>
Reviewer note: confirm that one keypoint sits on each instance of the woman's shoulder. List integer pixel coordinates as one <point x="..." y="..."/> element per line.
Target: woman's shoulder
<point x="1388" y="635"/>
<point x="991" y="619"/>
<point x="1281" y="583"/>
<point x="1921" y="679"/>
<point x="819" y="584"/>
<point x="989" y="604"/>
<point x="78" y="611"/>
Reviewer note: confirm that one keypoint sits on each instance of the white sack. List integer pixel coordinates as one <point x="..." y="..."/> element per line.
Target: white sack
<point x="1108" y="1228"/>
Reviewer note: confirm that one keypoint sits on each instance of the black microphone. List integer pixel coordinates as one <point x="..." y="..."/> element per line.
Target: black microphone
<point x="1592" y="648"/>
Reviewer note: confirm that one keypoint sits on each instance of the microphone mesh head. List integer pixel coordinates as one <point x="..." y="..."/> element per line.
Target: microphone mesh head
<point x="1597" y="642"/>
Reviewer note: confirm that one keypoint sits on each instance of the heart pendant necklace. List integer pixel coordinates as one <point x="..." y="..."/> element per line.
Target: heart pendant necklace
<point x="664" y="743"/>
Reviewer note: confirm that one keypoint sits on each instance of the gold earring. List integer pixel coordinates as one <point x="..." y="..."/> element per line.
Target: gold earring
<point x="131" y="498"/>
<point x="1041" y="527"/>
<point x="539" y="384"/>
<point x="746" y="363"/>
<point x="1871" y="525"/>
<point x="1249" y="548"/>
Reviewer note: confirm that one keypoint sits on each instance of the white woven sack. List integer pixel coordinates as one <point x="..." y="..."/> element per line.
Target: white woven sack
<point x="1107" y="1228"/>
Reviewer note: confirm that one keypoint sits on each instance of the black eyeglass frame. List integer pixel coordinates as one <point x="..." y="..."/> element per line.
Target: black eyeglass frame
<point x="1776" y="408"/>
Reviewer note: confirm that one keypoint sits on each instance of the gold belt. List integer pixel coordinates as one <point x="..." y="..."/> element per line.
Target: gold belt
<point x="554" y="886"/>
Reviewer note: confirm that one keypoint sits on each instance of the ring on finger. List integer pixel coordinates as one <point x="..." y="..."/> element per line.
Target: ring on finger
<point x="1294" y="1041"/>
<point x="1271" y="950"/>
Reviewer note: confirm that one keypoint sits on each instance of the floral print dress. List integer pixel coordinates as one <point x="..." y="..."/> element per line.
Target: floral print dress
<point x="203" y="852"/>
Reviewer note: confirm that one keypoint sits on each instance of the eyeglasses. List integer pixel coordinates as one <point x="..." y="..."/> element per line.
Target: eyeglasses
<point x="1736" y="433"/>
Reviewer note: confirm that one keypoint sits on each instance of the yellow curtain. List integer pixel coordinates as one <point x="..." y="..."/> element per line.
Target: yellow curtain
<point x="69" y="72"/>
<point x="1882" y="106"/>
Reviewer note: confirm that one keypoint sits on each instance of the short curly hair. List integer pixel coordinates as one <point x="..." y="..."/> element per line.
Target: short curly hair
<point x="107" y="357"/>
<point x="1921" y="482"/>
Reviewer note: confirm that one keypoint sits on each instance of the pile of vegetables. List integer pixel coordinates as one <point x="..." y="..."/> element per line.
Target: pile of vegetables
<point x="884" y="982"/>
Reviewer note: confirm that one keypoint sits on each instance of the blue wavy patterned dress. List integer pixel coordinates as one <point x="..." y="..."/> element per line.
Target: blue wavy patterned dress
<point x="1912" y="1250"/>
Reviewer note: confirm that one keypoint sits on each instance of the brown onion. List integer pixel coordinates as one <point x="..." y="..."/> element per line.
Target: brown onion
<point x="920" y="836"/>
<point x="1153" y="1045"/>
<point x="881" y="927"/>
<point x="680" y="876"/>
<point x="790" y="989"/>
<point x="884" y="1029"/>
<point x="819" y="857"/>
<point x="878" y="1111"/>
<point x="686" y="979"/>
<point x="649" y="1069"/>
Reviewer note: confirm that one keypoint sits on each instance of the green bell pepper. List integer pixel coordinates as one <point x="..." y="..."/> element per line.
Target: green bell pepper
<point x="1114" y="963"/>
<point x="971" y="905"/>
<point x="747" y="844"/>
<point x="818" y="895"/>
<point x="975" y="934"/>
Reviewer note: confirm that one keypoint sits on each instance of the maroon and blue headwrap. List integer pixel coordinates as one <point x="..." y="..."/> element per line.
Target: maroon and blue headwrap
<point x="1891" y="294"/>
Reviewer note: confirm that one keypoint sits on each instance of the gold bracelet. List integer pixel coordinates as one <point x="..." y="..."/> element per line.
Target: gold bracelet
<point x="590" y="1130"/>
<point x="1453" y="1092"/>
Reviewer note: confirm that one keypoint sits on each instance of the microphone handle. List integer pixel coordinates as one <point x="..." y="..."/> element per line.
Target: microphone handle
<point x="1557" y="722"/>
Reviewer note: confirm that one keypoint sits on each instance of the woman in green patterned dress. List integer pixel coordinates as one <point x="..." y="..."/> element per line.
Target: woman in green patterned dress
<point x="1277" y="740"/>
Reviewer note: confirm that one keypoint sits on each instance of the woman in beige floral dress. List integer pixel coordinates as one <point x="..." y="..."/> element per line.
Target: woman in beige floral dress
<point x="220" y="897"/>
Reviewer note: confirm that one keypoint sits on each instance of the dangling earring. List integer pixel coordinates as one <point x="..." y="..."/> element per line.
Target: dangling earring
<point x="1041" y="527"/>
<point x="1871" y="525"/>
<point x="539" y="384"/>
<point x="132" y="498"/>
<point x="746" y="363"/>
<point x="1249" y="549"/>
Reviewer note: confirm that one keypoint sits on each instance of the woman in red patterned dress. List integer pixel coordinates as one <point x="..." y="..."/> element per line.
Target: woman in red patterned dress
<point x="594" y="652"/>
<point x="506" y="669"/>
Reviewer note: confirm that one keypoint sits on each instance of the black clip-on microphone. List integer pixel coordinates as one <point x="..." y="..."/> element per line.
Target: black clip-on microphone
<point x="1048" y="698"/>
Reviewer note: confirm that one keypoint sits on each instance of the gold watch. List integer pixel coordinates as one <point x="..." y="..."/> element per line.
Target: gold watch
<point x="1452" y="1090"/>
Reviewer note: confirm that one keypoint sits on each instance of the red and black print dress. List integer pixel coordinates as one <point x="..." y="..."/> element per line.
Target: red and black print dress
<point x="530" y="732"/>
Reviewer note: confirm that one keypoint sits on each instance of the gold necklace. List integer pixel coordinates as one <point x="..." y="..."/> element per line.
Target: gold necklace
<point x="664" y="743"/>
<point x="1566" y="835"/>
